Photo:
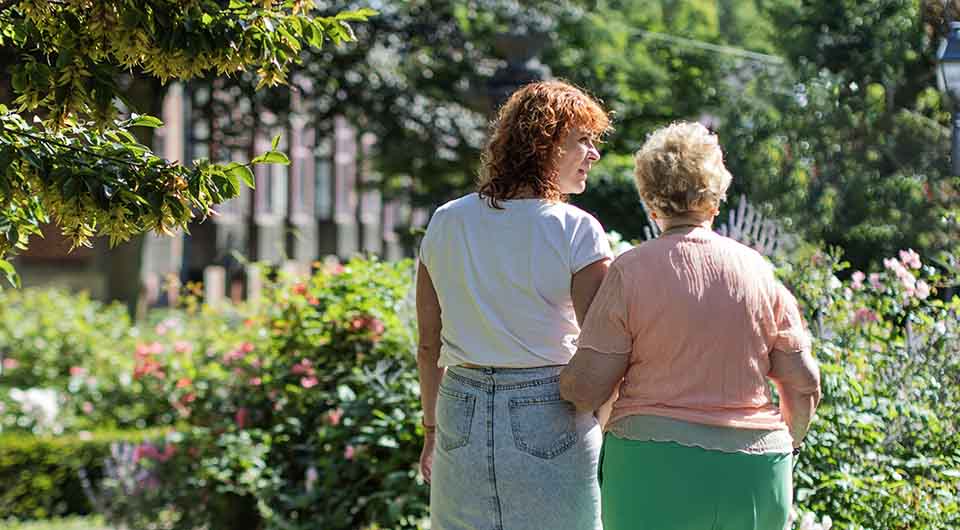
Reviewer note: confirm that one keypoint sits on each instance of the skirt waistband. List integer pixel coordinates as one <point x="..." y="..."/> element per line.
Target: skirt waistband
<point x="489" y="378"/>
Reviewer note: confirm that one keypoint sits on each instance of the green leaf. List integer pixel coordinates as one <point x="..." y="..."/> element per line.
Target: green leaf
<point x="358" y="15"/>
<point x="271" y="157"/>
<point x="10" y="272"/>
<point x="275" y="143"/>
<point x="142" y="120"/>
<point x="242" y="172"/>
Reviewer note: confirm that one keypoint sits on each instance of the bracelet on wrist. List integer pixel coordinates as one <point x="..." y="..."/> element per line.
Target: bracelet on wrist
<point x="428" y="427"/>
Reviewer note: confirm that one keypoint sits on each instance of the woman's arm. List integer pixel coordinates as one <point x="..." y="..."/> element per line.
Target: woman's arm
<point x="591" y="378"/>
<point x="584" y="286"/>
<point x="428" y="353"/>
<point x="797" y="377"/>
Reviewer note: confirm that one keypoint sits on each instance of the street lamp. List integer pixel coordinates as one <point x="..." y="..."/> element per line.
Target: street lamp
<point x="948" y="77"/>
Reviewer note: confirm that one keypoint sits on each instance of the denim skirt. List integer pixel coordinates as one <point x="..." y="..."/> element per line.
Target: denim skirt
<point x="512" y="455"/>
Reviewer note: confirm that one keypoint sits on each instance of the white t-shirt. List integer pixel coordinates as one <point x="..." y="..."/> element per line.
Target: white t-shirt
<point x="503" y="278"/>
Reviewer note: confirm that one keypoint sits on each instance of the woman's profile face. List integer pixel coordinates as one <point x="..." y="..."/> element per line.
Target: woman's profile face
<point x="575" y="157"/>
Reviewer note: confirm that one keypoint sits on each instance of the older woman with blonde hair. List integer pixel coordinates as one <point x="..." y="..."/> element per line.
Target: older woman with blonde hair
<point x="690" y="327"/>
<point x="506" y="276"/>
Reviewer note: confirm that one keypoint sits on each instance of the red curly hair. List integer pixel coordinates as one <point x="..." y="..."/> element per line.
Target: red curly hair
<point x="526" y="136"/>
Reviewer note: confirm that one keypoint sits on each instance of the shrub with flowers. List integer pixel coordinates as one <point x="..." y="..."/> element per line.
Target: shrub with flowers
<point x="298" y="410"/>
<point x="884" y="451"/>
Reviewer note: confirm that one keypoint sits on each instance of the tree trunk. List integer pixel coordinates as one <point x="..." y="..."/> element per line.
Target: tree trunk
<point x="123" y="265"/>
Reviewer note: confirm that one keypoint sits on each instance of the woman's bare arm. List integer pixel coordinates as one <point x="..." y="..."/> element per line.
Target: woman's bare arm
<point x="591" y="378"/>
<point x="797" y="377"/>
<point x="428" y="354"/>
<point x="584" y="286"/>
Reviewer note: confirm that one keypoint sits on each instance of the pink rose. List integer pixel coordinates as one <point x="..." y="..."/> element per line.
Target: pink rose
<point x="864" y="316"/>
<point x="182" y="346"/>
<point x="77" y="371"/>
<point x="256" y="381"/>
<point x="910" y="258"/>
<point x="309" y="382"/>
<point x="183" y="382"/>
<point x="334" y="416"/>
<point x="303" y="367"/>
<point x="246" y="347"/>
<point x="875" y="281"/>
<point x="87" y="407"/>
<point x="857" y="278"/>
<point x="349" y="452"/>
<point x="10" y="364"/>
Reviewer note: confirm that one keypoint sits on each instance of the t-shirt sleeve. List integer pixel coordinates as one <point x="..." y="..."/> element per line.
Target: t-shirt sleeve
<point x="606" y="328"/>
<point x="792" y="335"/>
<point x="428" y="242"/>
<point x="590" y="244"/>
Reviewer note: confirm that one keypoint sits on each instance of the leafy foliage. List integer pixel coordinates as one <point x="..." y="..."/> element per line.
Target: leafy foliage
<point x="42" y="474"/>
<point x="80" y="166"/>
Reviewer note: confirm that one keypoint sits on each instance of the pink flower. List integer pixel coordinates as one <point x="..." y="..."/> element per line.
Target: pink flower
<point x="87" y="407"/>
<point x="875" y="281"/>
<point x="77" y="371"/>
<point x="168" y="453"/>
<point x="375" y="326"/>
<point x="161" y="329"/>
<point x="910" y="258"/>
<point x="183" y="382"/>
<point x="299" y="288"/>
<point x="309" y="382"/>
<point x="892" y="264"/>
<point x="232" y="355"/>
<point x="334" y="416"/>
<point x="145" y="450"/>
<point x="241" y="417"/>
<point x="256" y="381"/>
<point x="922" y="290"/>
<point x="246" y="347"/>
<point x="857" y="278"/>
<point x="156" y="348"/>
<point x="303" y="367"/>
<point x="349" y="452"/>
<point x="10" y="364"/>
<point x="864" y="316"/>
<point x="182" y="346"/>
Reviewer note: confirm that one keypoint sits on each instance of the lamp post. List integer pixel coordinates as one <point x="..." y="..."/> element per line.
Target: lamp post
<point x="948" y="77"/>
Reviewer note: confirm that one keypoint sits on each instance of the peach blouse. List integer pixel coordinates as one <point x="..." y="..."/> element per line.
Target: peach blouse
<point x="699" y="315"/>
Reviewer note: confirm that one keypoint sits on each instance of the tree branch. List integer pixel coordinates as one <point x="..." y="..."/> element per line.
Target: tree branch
<point x="72" y="148"/>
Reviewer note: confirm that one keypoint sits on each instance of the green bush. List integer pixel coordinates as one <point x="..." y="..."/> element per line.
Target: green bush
<point x="41" y="475"/>
<point x="73" y="356"/>
<point x="301" y="407"/>
<point x="884" y="450"/>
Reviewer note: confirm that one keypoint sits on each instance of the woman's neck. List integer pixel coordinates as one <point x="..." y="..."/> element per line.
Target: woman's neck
<point x="685" y="221"/>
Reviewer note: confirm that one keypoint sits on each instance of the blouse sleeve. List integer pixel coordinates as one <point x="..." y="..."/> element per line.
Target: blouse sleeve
<point x="590" y="244"/>
<point x="606" y="327"/>
<point x="792" y="335"/>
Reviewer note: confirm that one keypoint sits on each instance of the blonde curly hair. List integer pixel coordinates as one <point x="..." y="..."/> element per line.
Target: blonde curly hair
<point x="680" y="170"/>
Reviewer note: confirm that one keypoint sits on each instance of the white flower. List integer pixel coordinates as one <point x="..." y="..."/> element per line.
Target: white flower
<point x="834" y="283"/>
<point x="38" y="403"/>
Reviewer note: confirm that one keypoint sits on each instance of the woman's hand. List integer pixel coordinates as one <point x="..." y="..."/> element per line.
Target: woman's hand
<point x="426" y="455"/>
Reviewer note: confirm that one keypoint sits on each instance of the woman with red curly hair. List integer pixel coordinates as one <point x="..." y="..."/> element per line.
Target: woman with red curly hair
<point x="505" y="278"/>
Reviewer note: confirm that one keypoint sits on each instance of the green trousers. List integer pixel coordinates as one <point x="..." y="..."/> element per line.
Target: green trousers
<point x="667" y="486"/>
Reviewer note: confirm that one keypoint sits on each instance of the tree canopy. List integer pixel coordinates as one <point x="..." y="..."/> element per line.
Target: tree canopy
<point x="74" y="159"/>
